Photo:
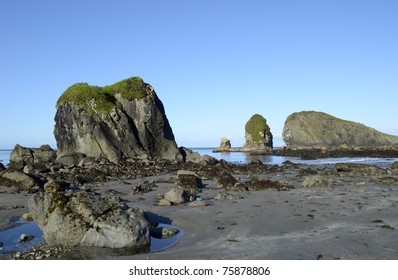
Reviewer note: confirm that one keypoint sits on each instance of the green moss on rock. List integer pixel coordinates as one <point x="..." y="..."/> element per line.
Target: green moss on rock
<point x="256" y="127"/>
<point x="102" y="99"/>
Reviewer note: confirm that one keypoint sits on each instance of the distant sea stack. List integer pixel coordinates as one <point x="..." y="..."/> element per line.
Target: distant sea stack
<point x="225" y="146"/>
<point x="258" y="135"/>
<point x="123" y="120"/>
<point x="309" y="129"/>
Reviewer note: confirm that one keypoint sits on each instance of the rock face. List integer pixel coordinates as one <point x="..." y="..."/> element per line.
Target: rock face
<point x="225" y="146"/>
<point x="123" y="120"/>
<point x="258" y="135"/>
<point x="88" y="220"/>
<point x="36" y="158"/>
<point x="319" y="130"/>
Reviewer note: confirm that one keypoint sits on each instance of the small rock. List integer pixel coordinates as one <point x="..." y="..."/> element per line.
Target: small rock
<point x="29" y="169"/>
<point x="317" y="181"/>
<point x="55" y="186"/>
<point x="27" y="217"/>
<point x="163" y="232"/>
<point x="198" y="203"/>
<point x="227" y="196"/>
<point x="176" y="195"/>
<point x="25" y="238"/>
<point x="164" y="202"/>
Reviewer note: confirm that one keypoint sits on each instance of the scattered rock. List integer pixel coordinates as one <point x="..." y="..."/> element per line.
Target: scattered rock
<point x="189" y="181"/>
<point x="384" y="181"/>
<point x="25" y="238"/>
<point x="226" y="180"/>
<point x="144" y="187"/>
<point x="89" y="220"/>
<point x="27" y="217"/>
<point x="224" y="195"/>
<point x="176" y="195"/>
<point x="198" y="203"/>
<point x="317" y="181"/>
<point x="22" y="181"/>
<point x="164" y="232"/>
<point x="164" y="202"/>
<point x="55" y="186"/>
<point x="360" y="168"/>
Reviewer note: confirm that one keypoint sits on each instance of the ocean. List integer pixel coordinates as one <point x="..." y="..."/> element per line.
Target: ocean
<point x="242" y="158"/>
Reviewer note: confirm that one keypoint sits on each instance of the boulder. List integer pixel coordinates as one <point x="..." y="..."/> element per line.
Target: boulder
<point x="226" y="180"/>
<point x="176" y="195"/>
<point x="359" y="168"/>
<point x="23" y="182"/>
<point x="89" y="220"/>
<point x="311" y="129"/>
<point x="123" y="120"/>
<point x="195" y="157"/>
<point x="258" y="135"/>
<point x="317" y="181"/>
<point x="225" y="146"/>
<point x="38" y="158"/>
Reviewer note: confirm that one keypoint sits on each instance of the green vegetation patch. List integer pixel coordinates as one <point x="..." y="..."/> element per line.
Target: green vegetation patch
<point x="256" y="127"/>
<point x="94" y="98"/>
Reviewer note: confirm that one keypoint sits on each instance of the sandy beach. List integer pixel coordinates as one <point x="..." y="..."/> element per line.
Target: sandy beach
<point x="351" y="219"/>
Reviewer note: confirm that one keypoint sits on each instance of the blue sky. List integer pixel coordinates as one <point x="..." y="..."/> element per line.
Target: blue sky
<point x="213" y="63"/>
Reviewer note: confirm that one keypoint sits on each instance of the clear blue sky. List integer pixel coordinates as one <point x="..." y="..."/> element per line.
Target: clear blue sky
<point x="213" y="63"/>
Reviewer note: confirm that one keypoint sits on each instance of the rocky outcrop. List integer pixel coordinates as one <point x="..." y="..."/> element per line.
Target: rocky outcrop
<point x="319" y="130"/>
<point x="89" y="220"/>
<point x="258" y="135"/>
<point x="35" y="158"/>
<point x="123" y="120"/>
<point x="225" y="146"/>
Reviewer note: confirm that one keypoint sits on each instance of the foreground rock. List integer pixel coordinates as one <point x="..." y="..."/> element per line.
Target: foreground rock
<point x="87" y="219"/>
<point x="225" y="146"/>
<point x="319" y="130"/>
<point x="258" y="135"/>
<point x="123" y="120"/>
<point x="21" y="181"/>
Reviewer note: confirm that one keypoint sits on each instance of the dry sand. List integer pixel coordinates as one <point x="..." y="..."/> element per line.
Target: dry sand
<point x="346" y="221"/>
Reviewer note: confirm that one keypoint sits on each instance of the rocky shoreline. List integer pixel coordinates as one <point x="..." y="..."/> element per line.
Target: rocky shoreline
<point x="239" y="206"/>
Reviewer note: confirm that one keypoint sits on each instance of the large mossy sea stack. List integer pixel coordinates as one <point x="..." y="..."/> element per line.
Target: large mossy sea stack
<point x="123" y="120"/>
<point x="311" y="129"/>
<point x="258" y="135"/>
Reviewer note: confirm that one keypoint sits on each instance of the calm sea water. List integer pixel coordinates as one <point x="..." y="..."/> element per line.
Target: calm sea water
<point x="243" y="158"/>
<point x="5" y="156"/>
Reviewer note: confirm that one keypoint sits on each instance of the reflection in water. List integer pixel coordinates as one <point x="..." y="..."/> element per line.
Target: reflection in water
<point x="10" y="239"/>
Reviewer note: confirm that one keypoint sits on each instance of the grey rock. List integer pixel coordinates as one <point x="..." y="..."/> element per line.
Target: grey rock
<point x="55" y="186"/>
<point x="164" y="202"/>
<point x="129" y="127"/>
<point x="227" y="196"/>
<point x="176" y="195"/>
<point x="89" y="220"/>
<point x="317" y="181"/>
<point x="39" y="158"/>
<point x="87" y="161"/>
<point x="164" y="232"/>
<point x="359" y="168"/>
<point x="29" y="169"/>
<point x="22" y="181"/>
